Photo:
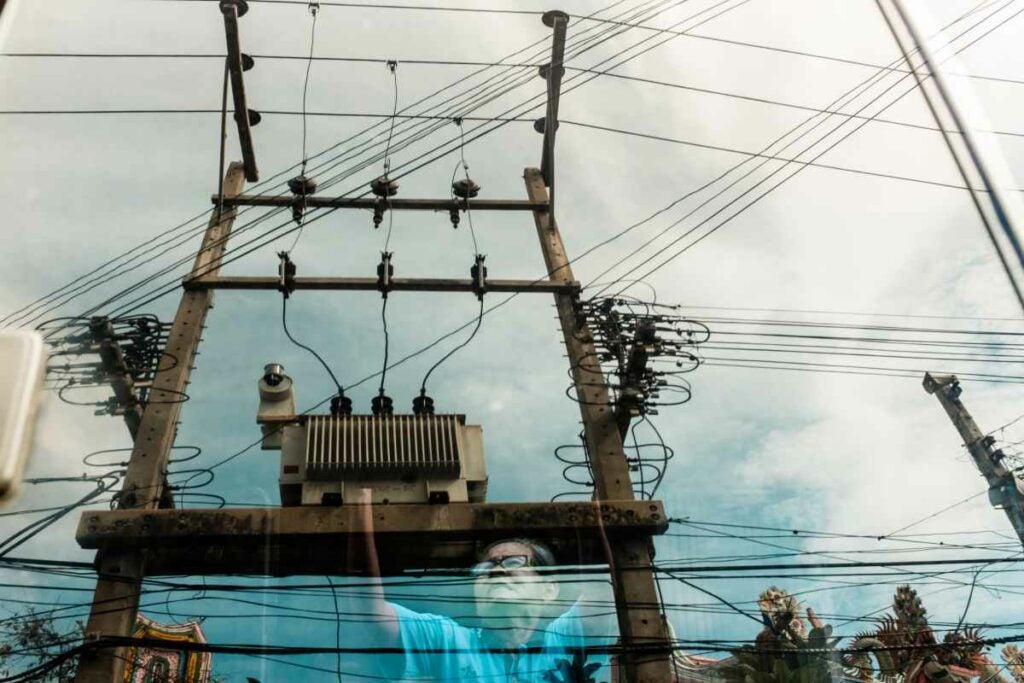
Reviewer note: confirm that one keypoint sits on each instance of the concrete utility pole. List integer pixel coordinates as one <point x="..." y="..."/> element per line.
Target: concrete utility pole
<point x="1005" y="490"/>
<point x="120" y="570"/>
<point x="641" y="624"/>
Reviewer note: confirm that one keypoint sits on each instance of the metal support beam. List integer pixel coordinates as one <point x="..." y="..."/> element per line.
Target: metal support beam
<point x="235" y="68"/>
<point x="115" y="601"/>
<point x="366" y="284"/>
<point x="1005" y="491"/>
<point x="370" y="203"/>
<point x="290" y="541"/>
<point x="636" y="599"/>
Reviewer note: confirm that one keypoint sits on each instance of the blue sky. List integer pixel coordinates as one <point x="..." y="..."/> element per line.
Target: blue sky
<point x="844" y="454"/>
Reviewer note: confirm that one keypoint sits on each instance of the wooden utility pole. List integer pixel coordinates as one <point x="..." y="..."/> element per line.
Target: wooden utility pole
<point x="120" y="571"/>
<point x="1004" y="488"/>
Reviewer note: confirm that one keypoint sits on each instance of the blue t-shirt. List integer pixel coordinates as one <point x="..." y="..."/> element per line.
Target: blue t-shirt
<point x="473" y="662"/>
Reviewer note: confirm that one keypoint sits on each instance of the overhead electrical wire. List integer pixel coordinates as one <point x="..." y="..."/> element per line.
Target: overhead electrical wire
<point x="476" y="252"/>
<point x="968" y="142"/>
<point x="579" y="124"/>
<point x="747" y="153"/>
<point x="800" y="167"/>
<point x="676" y="3"/>
<point x="314" y="8"/>
<point x="437" y="92"/>
<point x="420" y="166"/>
<point x="862" y="87"/>
<point x="854" y="92"/>
<point x="436" y="341"/>
<point x="319" y="358"/>
<point x="592" y="18"/>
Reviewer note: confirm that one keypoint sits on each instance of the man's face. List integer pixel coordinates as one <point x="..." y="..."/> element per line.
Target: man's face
<point x="512" y="592"/>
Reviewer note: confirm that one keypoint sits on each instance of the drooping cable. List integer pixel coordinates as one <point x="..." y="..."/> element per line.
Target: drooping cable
<point x="314" y="8"/>
<point x="469" y="183"/>
<point x="393" y="68"/>
<point x="636" y="16"/>
<point x="843" y="99"/>
<point x="802" y="165"/>
<point x="284" y="324"/>
<point x="335" y="146"/>
<point x="476" y="328"/>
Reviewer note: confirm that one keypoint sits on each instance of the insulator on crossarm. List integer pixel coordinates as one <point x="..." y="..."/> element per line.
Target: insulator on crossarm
<point x="286" y="271"/>
<point x="385" y="272"/>
<point x="479" y="274"/>
<point x="384" y="187"/>
<point x="301" y="187"/>
<point x="378" y="212"/>
<point x="465" y="188"/>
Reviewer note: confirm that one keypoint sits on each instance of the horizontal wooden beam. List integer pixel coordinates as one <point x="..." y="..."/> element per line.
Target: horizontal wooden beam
<point x="314" y="540"/>
<point x="369" y="203"/>
<point x="370" y="284"/>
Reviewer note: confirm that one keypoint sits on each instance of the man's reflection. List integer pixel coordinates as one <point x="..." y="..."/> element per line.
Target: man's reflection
<point x="525" y="629"/>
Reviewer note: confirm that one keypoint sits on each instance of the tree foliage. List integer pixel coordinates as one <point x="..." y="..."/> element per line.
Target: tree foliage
<point x="29" y="639"/>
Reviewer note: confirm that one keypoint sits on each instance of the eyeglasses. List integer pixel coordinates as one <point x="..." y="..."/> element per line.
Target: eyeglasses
<point x="506" y="562"/>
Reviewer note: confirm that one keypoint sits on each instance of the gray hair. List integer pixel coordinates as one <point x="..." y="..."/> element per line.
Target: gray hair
<point x="542" y="554"/>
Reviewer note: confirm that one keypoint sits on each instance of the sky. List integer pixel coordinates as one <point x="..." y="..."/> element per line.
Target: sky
<point x="844" y="454"/>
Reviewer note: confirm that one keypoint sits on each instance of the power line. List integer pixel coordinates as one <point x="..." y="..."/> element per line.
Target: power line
<point x="799" y="167"/>
<point x="600" y="38"/>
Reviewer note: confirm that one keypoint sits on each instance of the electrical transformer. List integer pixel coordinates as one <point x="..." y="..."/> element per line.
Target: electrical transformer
<point x="326" y="459"/>
<point x="401" y="458"/>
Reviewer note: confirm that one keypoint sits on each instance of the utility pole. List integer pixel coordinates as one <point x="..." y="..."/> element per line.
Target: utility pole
<point x="120" y="571"/>
<point x="142" y="538"/>
<point x="1005" y="490"/>
<point x="641" y="624"/>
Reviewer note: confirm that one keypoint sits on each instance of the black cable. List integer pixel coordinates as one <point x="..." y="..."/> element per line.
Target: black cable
<point x="313" y="10"/>
<point x="269" y="179"/>
<point x="387" y="343"/>
<point x="720" y="148"/>
<point x="955" y="154"/>
<point x="429" y="8"/>
<point x="284" y="324"/>
<point x="800" y="167"/>
<point x="851" y="93"/>
<point x="585" y="17"/>
<point x="305" y="83"/>
<point x="337" y="626"/>
<point x="31" y="530"/>
<point x="485" y="132"/>
<point x="476" y="328"/>
<point x="427" y="162"/>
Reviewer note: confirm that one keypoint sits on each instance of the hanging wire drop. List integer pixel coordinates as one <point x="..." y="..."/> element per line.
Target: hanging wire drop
<point x="302" y="186"/>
